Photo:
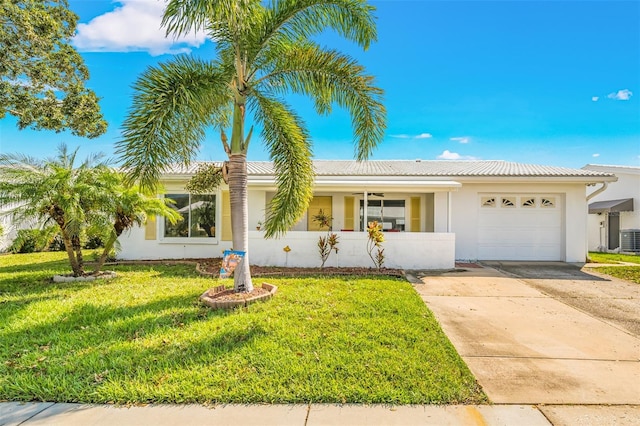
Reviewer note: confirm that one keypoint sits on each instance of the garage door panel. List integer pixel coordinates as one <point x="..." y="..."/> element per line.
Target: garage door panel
<point x="520" y="232"/>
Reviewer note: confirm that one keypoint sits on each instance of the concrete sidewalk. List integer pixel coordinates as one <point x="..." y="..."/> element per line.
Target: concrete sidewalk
<point x="33" y="414"/>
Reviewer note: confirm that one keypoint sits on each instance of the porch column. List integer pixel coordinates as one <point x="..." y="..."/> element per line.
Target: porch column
<point x="365" y="219"/>
<point x="449" y="211"/>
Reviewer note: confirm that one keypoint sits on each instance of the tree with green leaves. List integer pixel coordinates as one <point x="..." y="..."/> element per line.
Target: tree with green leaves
<point x="265" y="51"/>
<point x="76" y="199"/>
<point x="53" y="191"/>
<point x="42" y="77"/>
<point x="127" y="206"/>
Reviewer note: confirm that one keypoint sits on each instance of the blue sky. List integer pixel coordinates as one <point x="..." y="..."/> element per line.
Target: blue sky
<point x="545" y="82"/>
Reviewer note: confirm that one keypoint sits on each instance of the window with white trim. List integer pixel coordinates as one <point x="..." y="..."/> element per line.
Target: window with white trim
<point x="198" y="216"/>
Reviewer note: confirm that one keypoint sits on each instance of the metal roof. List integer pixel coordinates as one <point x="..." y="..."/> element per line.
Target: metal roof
<point x="423" y="168"/>
<point x="613" y="168"/>
<point x="623" y="205"/>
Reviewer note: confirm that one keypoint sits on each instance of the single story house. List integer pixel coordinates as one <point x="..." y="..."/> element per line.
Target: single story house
<point x="433" y="213"/>
<point x="614" y="213"/>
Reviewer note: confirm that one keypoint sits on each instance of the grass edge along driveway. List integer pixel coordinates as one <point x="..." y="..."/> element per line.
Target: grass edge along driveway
<point x="625" y="272"/>
<point x="144" y="337"/>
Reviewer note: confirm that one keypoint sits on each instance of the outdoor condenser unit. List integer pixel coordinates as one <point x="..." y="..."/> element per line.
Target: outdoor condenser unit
<point x="630" y="240"/>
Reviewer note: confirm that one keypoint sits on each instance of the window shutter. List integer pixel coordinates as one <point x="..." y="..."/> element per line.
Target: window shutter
<point x="226" y="234"/>
<point x="150" y="228"/>
<point x="317" y="204"/>
<point x="349" y="213"/>
<point x="415" y="214"/>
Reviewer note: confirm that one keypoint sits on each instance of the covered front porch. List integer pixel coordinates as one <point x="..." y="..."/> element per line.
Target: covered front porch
<point x="415" y="216"/>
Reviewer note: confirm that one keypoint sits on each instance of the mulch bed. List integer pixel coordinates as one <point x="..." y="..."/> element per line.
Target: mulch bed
<point x="212" y="267"/>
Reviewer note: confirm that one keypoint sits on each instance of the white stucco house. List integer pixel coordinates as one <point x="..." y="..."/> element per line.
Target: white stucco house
<point x="614" y="216"/>
<point x="433" y="213"/>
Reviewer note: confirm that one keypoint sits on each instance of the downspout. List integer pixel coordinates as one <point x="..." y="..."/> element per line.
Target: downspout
<point x="598" y="191"/>
<point x="589" y="197"/>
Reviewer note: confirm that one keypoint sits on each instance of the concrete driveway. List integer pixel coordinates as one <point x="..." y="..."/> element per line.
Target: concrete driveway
<point x="609" y="299"/>
<point x="526" y="345"/>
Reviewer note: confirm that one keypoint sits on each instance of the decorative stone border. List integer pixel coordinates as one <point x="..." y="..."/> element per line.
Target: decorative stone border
<point x="211" y="297"/>
<point x="106" y="275"/>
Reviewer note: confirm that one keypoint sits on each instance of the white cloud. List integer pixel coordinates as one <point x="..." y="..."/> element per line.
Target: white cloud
<point x="621" y="95"/>
<point x="461" y="139"/>
<point x="595" y="98"/>
<point x="448" y="155"/>
<point x="133" y="26"/>
<point x="419" y="136"/>
<point x="595" y="155"/>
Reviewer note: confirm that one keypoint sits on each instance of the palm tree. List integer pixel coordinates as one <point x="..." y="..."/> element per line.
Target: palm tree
<point x="54" y="190"/>
<point x="264" y="52"/>
<point x="128" y="206"/>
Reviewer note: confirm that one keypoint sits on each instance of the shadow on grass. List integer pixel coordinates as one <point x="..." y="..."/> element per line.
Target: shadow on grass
<point x="130" y="344"/>
<point x="59" y="266"/>
<point x="88" y="325"/>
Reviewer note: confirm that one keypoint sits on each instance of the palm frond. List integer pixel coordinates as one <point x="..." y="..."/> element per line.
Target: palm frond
<point x="173" y="104"/>
<point x="286" y="137"/>
<point x="223" y="19"/>
<point x="328" y="77"/>
<point x="301" y="19"/>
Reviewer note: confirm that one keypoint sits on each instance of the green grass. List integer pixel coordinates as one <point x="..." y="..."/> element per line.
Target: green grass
<point x="144" y="337"/>
<point x="629" y="273"/>
<point x="597" y="257"/>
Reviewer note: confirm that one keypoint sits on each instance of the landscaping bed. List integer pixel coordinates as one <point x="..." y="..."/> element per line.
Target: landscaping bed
<point x="212" y="266"/>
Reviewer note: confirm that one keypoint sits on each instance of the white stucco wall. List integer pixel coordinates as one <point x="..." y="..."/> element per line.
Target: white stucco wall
<point x="405" y="249"/>
<point x="465" y="210"/>
<point x="402" y="249"/>
<point x="408" y="250"/>
<point x="627" y="186"/>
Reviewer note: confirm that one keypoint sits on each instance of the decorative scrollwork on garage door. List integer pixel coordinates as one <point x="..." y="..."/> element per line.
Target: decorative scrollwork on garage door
<point x="488" y="201"/>
<point x="508" y="202"/>
<point x="548" y="202"/>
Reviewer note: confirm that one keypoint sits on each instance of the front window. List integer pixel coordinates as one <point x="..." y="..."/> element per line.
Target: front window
<point x="198" y="216"/>
<point x="389" y="213"/>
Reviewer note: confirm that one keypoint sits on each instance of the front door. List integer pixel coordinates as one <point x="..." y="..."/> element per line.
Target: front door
<point x="614" y="231"/>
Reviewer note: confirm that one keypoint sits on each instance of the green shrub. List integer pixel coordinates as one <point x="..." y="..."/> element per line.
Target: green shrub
<point x="94" y="242"/>
<point x="36" y="240"/>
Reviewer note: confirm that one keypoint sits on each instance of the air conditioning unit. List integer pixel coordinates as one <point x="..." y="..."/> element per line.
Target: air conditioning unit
<point x="630" y="240"/>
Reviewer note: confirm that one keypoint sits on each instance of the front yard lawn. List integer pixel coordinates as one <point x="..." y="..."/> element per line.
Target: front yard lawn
<point x="144" y="337"/>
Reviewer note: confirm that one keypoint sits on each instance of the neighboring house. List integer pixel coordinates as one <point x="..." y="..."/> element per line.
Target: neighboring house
<point x="433" y="212"/>
<point x="614" y="214"/>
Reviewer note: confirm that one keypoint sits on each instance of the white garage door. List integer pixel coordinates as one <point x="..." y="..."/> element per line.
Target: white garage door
<point x="520" y="227"/>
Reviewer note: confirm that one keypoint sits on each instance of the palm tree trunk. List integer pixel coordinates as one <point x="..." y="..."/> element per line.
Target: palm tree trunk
<point x="105" y="253"/>
<point x="77" y="246"/>
<point x="240" y="220"/>
<point x="68" y="245"/>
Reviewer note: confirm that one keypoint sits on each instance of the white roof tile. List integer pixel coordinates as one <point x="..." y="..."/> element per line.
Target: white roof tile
<point x="422" y="168"/>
